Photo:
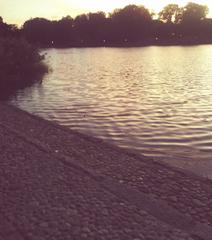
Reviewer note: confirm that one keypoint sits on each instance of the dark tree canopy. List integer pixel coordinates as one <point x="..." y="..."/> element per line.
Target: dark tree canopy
<point x="170" y="13"/>
<point x="7" y="30"/>
<point x="38" y="30"/>
<point x="131" y="25"/>
<point x="132" y="14"/>
<point x="194" y="12"/>
<point x="62" y="31"/>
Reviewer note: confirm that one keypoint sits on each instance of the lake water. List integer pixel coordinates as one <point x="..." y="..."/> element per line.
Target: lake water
<point x="154" y="100"/>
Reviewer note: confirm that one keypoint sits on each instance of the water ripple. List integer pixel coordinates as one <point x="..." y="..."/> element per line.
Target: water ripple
<point x="155" y="100"/>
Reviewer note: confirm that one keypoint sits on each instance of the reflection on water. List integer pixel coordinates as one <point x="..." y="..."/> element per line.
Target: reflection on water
<point x="155" y="100"/>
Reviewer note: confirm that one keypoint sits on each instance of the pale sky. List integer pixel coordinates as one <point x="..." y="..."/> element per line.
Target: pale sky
<point x="18" y="11"/>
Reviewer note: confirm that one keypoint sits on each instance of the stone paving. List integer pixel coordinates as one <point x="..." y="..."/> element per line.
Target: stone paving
<point x="59" y="184"/>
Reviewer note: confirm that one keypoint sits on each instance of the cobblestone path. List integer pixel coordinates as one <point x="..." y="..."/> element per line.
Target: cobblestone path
<point x="58" y="184"/>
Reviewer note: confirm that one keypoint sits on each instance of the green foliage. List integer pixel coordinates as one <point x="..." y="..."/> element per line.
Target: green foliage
<point x="131" y="25"/>
<point x="131" y="14"/>
<point x="194" y="12"/>
<point x="169" y="13"/>
<point x="20" y="63"/>
<point x="191" y="13"/>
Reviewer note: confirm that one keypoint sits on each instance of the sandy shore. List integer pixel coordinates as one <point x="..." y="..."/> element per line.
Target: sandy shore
<point x="59" y="184"/>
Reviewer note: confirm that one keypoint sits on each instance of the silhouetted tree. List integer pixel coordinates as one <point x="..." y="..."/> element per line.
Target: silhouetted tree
<point x="97" y="27"/>
<point x="191" y="22"/>
<point x="7" y="30"/>
<point x="3" y="27"/>
<point x="20" y="65"/>
<point x="130" y="23"/>
<point x="194" y="12"/>
<point x="39" y="31"/>
<point x="206" y="29"/>
<point x="170" y="13"/>
<point x="63" y="31"/>
<point x="81" y="28"/>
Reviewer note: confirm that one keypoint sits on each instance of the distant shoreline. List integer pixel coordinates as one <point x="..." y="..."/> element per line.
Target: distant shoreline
<point x="130" y="45"/>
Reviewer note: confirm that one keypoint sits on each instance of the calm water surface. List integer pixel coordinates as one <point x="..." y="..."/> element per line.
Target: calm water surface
<point x="154" y="100"/>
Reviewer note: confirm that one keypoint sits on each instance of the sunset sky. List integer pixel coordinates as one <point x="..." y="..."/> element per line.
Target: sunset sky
<point x="18" y="11"/>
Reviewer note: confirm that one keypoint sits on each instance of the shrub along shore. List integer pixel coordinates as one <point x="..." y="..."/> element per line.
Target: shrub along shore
<point x="20" y="64"/>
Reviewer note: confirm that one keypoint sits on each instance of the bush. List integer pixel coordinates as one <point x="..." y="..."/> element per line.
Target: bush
<point x="20" y="63"/>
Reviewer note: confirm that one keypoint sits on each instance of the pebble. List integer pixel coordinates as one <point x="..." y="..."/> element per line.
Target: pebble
<point x="44" y="225"/>
<point x="198" y="202"/>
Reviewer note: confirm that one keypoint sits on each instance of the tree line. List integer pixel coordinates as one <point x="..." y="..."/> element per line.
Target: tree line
<point x="131" y="25"/>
